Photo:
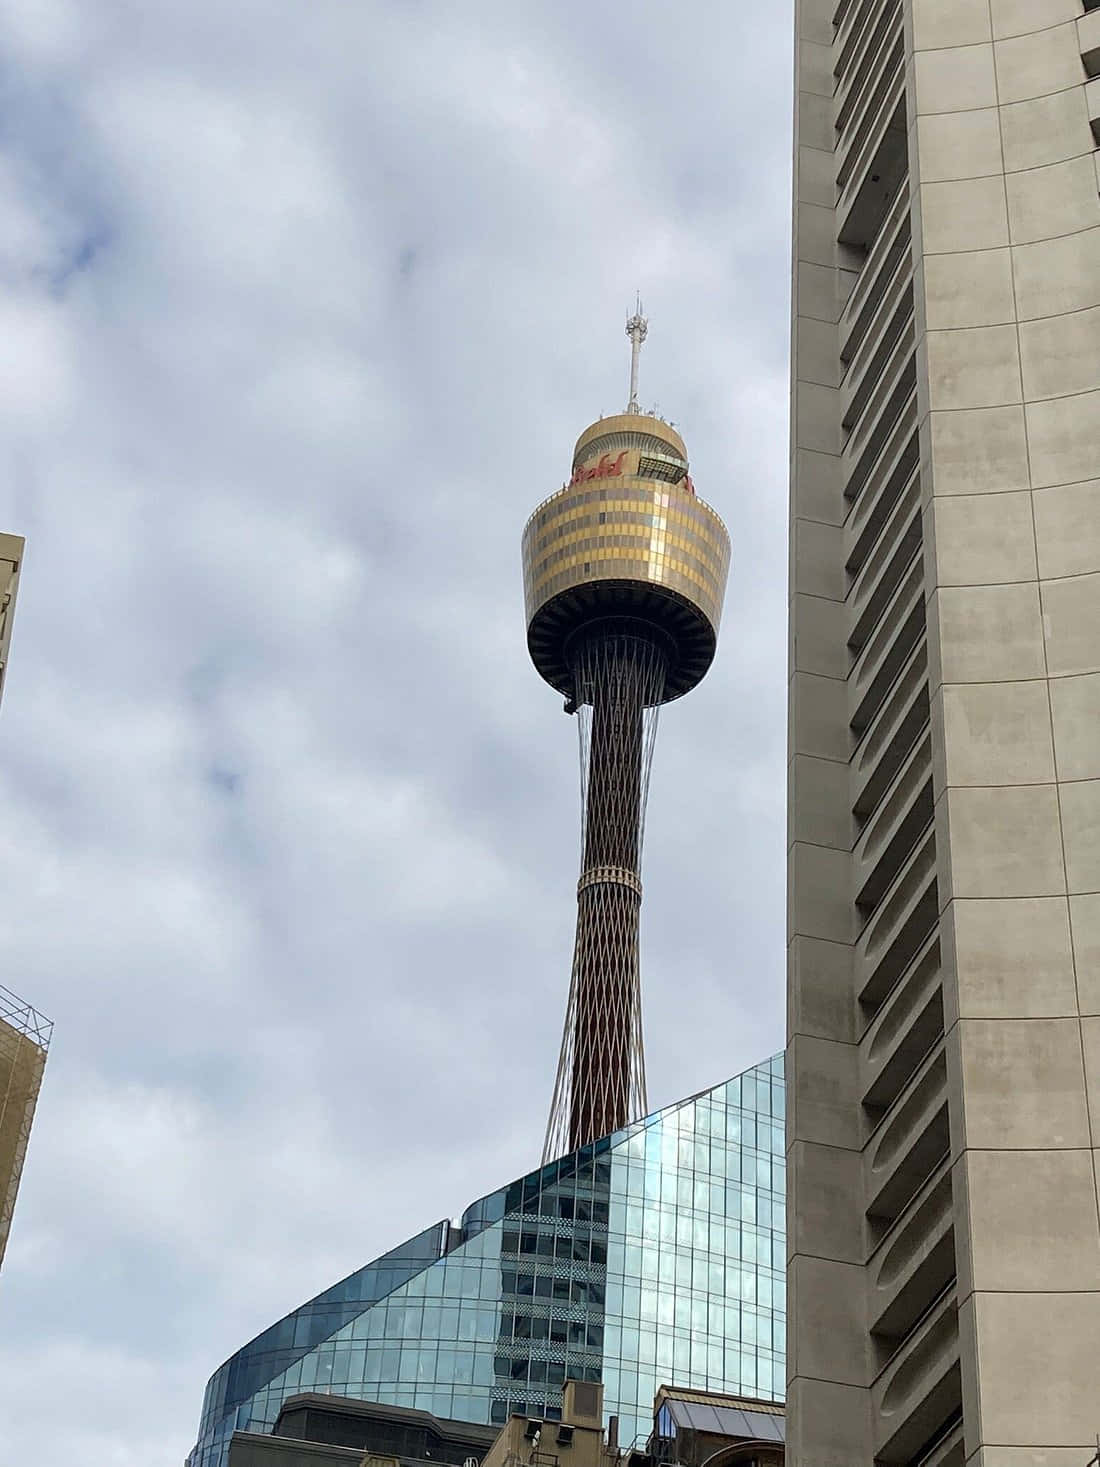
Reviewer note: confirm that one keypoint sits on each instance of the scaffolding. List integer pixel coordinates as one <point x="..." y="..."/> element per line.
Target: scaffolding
<point x="25" y="1036"/>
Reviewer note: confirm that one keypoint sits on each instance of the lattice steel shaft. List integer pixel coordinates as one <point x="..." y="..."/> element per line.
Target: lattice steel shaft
<point x="619" y="678"/>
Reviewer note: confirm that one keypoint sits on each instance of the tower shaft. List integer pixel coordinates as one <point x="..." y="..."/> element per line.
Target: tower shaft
<point x="619" y="678"/>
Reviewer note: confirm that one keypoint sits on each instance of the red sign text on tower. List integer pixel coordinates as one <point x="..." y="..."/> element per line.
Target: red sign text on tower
<point x="607" y="468"/>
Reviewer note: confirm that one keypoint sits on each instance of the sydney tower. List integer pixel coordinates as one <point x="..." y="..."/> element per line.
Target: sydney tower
<point x="624" y="571"/>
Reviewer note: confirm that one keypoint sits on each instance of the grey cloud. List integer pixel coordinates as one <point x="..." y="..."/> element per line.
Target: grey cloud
<point x="305" y="306"/>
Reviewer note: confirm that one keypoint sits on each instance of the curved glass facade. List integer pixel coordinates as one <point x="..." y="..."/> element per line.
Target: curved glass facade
<point x="653" y="1256"/>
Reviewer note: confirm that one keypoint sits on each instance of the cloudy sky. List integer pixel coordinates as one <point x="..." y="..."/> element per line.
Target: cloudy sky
<point x="302" y="307"/>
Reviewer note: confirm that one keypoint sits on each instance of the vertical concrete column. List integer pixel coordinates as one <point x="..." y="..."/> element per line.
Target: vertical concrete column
<point x="1007" y="239"/>
<point x="828" y="1398"/>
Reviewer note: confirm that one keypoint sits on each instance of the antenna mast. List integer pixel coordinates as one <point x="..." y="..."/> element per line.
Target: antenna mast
<point x="636" y="329"/>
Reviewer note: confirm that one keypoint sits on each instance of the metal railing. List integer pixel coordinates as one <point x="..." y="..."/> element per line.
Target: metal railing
<point x="24" y="1019"/>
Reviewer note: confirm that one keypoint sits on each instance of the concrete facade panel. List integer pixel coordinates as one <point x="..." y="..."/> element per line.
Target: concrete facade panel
<point x="831" y="1294"/>
<point x="1048" y="203"/>
<point x="955" y="79"/>
<point x="1005" y="842"/>
<point x="826" y="1212"/>
<point x="1081" y="834"/>
<point x="819" y="291"/>
<point x="828" y="1424"/>
<point x="1048" y="130"/>
<point x="816" y="177"/>
<point x="1061" y="356"/>
<point x="819" y="722"/>
<point x="819" y="802"/>
<point x="818" y="491"/>
<point x="969" y="214"/>
<point x="983" y="452"/>
<point x="818" y="903"/>
<point x="983" y="540"/>
<point x="1025" y="17"/>
<point x="819" y="990"/>
<point x="1075" y="709"/>
<point x="816" y="356"/>
<point x="1085" y="921"/>
<point x="1056" y="276"/>
<point x="816" y="234"/>
<point x="815" y="68"/>
<point x="1064" y="440"/>
<point x="958" y="145"/>
<point x="1013" y="958"/>
<point x="1037" y="64"/>
<point x="1032" y="1221"/>
<point x="1067" y="529"/>
<point x="815" y="621"/>
<point x="942" y="23"/>
<point x="1053" y="1338"/>
<point x="819" y="563"/>
<point x="1023" y="1085"/>
<point x="818" y="418"/>
<point x="969" y="289"/>
<point x="989" y="633"/>
<point x="815" y="120"/>
<point x="974" y="368"/>
<point x="1025" y="1457"/>
<point x="824" y="1100"/>
<point x="997" y="734"/>
<point x="1071" y="624"/>
<point x="1090" y="1039"/>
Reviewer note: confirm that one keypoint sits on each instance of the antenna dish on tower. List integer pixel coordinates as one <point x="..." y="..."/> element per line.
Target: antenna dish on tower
<point x="637" y="328"/>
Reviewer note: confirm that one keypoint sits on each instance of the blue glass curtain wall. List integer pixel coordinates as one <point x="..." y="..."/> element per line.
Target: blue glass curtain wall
<point x="654" y="1256"/>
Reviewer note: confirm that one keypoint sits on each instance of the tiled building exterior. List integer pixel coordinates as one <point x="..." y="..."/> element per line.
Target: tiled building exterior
<point x="944" y="918"/>
<point x="653" y="1254"/>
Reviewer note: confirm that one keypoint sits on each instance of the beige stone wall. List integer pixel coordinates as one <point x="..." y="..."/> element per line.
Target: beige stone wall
<point x="829" y="1418"/>
<point x="1008" y="311"/>
<point x="944" y="814"/>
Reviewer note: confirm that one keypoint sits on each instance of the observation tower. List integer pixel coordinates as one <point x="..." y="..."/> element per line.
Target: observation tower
<point x="624" y="571"/>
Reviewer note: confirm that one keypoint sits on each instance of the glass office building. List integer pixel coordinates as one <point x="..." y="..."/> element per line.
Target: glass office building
<point x="653" y="1256"/>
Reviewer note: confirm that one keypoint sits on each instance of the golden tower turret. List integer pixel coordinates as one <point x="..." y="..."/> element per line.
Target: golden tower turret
<point x="624" y="572"/>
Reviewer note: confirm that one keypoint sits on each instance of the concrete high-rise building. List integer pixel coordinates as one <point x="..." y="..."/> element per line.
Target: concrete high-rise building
<point x="944" y="919"/>
<point x="624" y="571"/>
<point x="24" y="1033"/>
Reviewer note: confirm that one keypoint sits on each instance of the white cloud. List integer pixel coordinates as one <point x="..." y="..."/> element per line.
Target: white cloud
<point x="307" y="305"/>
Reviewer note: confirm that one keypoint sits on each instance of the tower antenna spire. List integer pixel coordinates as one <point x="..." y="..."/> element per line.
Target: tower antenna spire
<point x="636" y="328"/>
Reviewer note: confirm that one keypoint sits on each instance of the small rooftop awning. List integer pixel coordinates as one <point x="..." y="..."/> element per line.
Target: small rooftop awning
<point x="761" y="1426"/>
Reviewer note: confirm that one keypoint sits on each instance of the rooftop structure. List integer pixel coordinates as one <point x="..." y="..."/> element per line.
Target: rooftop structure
<point x="314" y="1430"/>
<point x="691" y="1428"/>
<point x="708" y="1429"/>
<point x="624" y="572"/>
